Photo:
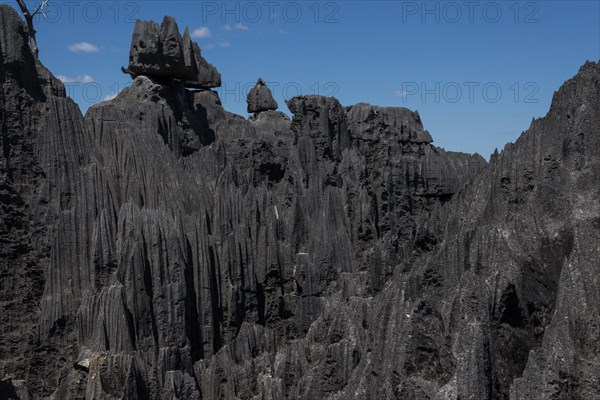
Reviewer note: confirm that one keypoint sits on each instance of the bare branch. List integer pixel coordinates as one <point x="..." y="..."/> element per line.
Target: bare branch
<point x="30" y="28"/>
<point x="40" y="8"/>
<point x="23" y="8"/>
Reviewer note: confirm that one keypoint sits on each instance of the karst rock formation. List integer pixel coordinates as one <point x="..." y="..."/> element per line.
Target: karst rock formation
<point x="161" y="247"/>
<point x="260" y="98"/>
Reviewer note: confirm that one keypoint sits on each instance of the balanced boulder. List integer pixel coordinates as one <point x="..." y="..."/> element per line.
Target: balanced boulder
<point x="161" y="53"/>
<point x="260" y="98"/>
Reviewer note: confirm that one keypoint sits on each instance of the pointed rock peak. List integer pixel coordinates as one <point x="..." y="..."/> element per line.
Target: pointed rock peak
<point x="495" y="155"/>
<point x="582" y="89"/>
<point x="169" y="23"/>
<point x="14" y="46"/>
<point x="169" y="29"/>
<point x="161" y="53"/>
<point x="589" y="66"/>
<point x="18" y="62"/>
<point x="260" y="98"/>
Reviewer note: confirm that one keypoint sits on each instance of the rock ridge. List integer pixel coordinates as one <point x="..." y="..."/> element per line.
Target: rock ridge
<point x="161" y="247"/>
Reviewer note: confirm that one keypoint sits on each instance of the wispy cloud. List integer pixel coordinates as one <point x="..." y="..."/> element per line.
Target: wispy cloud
<point x="210" y="46"/>
<point x="83" y="47"/>
<point x="110" y="97"/>
<point x="241" y="26"/>
<point x="227" y="27"/>
<point x="201" y="33"/>
<point x="401" y="93"/>
<point x="76" y="79"/>
<point x="116" y="49"/>
<point x="114" y="94"/>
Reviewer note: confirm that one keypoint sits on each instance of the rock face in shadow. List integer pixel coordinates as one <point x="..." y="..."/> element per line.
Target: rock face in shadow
<point x="160" y="247"/>
<point x="161" y="53"/>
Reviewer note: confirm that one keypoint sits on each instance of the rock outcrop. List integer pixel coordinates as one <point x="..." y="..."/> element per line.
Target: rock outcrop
<point x="260" y="98"/>
<point x="161" y="53"/>
<point x="163" y="248"/>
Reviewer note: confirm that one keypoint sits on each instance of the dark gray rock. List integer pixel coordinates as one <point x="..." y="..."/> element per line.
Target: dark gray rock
<point x="272" y="123"/>
<point x="46" y="173"/>
<point x="260" y="98"/>
<point x="161" y="53"/>
<point x="163" y="248"/>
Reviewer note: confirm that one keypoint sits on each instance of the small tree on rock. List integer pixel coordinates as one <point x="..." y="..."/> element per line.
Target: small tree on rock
<point x="29" y="20"/>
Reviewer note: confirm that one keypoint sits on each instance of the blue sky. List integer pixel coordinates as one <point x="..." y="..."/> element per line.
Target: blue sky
<point x="477" y="71"/>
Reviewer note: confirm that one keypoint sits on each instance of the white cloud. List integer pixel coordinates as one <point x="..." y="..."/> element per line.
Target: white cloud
<point x="224" y="44"/>
<point x="76" y="79"/>
<point x="83" y="47"/>
<point x="241" y="26"/>
<point x="401" y="93"/>
<point x="227" y="27"/>
<point x="201" y="33"/>
<point x="208" y="46"/>
<point x="114" y="94"/>
<point x="110" y="97"/>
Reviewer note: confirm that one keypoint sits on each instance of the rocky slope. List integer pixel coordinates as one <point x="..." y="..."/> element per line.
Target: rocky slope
<point x="160" y="247"/>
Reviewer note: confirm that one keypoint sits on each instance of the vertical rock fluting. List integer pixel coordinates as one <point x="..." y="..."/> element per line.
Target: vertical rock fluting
<point x="49" y="175"/>
<point x="161" y="247"/>
<point x="24" y="251"/>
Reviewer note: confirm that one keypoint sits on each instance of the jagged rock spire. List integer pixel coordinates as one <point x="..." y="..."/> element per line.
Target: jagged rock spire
<point x="260" y="98"/>
<point x="161" y="53"/>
